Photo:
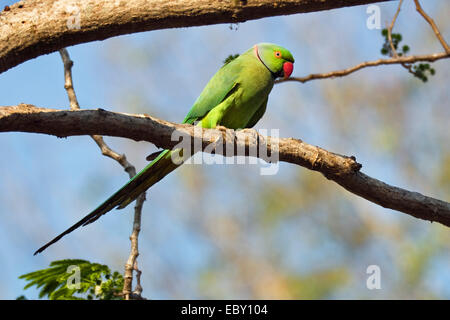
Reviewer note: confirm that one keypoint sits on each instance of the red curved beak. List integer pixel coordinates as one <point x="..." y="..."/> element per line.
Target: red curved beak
<point x="288" y="67"/>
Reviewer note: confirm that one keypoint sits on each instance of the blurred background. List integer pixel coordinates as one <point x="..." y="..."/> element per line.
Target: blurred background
<point x="225" y="231"/>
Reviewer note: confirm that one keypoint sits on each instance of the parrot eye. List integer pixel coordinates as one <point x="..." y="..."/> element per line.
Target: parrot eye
<point x="277" y="54"/>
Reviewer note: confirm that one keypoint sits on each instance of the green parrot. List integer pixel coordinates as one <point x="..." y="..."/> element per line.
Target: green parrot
<point x="235" y="97"/>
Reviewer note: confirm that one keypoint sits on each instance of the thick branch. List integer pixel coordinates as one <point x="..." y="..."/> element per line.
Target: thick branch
<point x="341" y="169"/>
<point x="29" y="29"/>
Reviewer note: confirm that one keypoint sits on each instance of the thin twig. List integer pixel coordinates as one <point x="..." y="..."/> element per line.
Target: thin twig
<point x="129" y="168"/>
<point x="131" y="263"/>
<point x="433" y="26"/>
<point x="344" y="72"/>
<point x="405" y="61"/>
<point x="120" y="158"/>
<point x="68" y="83"/>
<point x="74" y="105"/>
<point x="138" y="288"/>
<point x="394" y="54"/>
<point x="389" y="30"/>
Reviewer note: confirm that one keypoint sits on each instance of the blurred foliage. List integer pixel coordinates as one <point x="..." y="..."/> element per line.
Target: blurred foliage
<point x="444" y="173"/>
<point x="419" y="70"/>
<point x="96" y="281"/>
<point x="318" y="284"/>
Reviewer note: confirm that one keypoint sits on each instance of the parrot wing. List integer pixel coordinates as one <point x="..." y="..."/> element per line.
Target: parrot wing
<point x="258" y="114"/>
<point x="217" y="90"/>
<point x="220" y="86"/>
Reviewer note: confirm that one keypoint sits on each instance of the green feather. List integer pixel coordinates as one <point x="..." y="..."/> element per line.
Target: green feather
<point x="235" y="97"/>
<point x="215" y="92"/>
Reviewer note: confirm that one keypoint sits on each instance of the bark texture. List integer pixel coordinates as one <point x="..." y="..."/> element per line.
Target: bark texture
<point x="342" y="169"/>
<point x="29" y="29"/>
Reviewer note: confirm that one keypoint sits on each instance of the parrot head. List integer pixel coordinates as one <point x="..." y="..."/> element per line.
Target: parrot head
<point x="277" y="59"/>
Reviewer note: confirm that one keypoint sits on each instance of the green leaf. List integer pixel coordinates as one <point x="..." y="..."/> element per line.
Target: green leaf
<point x="56" y="282"/>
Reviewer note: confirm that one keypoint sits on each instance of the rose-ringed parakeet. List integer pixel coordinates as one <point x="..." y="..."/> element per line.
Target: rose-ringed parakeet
<point x="235" y="97"/>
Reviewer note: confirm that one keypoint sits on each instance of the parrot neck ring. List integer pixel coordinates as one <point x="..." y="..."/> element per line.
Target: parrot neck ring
<point x="284" y="72"/>
<point x="255" y="50"/>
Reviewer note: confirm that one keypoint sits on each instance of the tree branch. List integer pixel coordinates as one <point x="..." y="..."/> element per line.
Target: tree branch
<point x="391" y="26"/>
<point x="341" y="73"/>
<point x="433" y="26"/>
<point x="341" y="169"/>
<point x="131" y="264"/>
<point x="29" y="29"/>
<point x="393" y="53"/>
<point x="405" y="61"/>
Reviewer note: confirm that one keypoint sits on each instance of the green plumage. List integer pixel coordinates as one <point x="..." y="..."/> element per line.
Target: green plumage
<point x="235" y="97"/>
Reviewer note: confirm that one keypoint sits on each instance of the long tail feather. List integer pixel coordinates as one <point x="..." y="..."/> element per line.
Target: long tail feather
<point x="151" y="174"/>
